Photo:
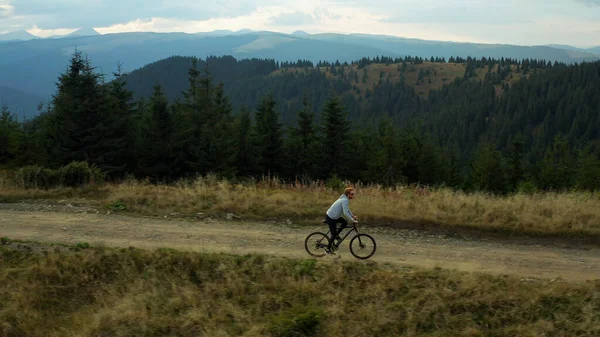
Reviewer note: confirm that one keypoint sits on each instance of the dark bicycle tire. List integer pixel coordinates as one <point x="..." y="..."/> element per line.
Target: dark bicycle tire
<point x="368" y="242"/>
<point x="316" y="240"/>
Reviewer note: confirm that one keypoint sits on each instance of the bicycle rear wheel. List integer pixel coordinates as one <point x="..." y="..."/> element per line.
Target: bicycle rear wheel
<point x="363" y="246"/>
<point x="316" y="243"/>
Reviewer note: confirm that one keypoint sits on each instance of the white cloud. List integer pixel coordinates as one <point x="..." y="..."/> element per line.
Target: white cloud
<point x="510" y="21"/>
<point x="35" y="30"/>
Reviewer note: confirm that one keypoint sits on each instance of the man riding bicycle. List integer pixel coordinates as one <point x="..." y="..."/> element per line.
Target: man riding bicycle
<point x="337" y="212"/>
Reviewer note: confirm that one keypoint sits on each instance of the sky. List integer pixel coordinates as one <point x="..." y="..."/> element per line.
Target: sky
<point x="523" y="22"/>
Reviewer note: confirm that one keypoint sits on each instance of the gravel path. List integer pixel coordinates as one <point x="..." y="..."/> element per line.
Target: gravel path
<point x="65" y="223"/>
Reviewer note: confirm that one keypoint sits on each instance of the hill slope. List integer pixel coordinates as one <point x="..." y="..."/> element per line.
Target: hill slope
<point x="21" y="103"/>
<point x="20" y="35"/>
<point x="248" y="81"/>
<point x="33" y="66"/>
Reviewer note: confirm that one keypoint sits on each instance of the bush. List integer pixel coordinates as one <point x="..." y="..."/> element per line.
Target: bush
<point x="298" y="322"/>
<point x="82" y="245"/>
<point x="75" y="174"/>
<point x="35" y="176"/>
<point x="117" y="205"/>
<point x="335" y="182"/>
<point x="527" y="187"/>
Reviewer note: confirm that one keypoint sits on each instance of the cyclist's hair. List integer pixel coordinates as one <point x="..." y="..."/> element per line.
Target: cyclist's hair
<point x="348" y="190"/>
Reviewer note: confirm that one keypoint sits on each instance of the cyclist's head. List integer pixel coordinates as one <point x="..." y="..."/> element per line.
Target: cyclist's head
<point x="349" y="192"/>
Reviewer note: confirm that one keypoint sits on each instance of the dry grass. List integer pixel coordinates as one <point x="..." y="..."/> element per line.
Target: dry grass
<point x="129" y="292"/>
<point x="565" y="214"/>
<point x="440" y="74"/>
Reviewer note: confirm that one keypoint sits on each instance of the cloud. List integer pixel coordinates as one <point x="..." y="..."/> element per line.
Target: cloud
<point x="518" y="22"/>
<point x="6" y="9"/>
<point x="103" y="13"/>
<point x="292" y="19"/>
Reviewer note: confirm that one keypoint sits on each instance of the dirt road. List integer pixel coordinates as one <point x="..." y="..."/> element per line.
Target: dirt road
<point x="400" y="247"/>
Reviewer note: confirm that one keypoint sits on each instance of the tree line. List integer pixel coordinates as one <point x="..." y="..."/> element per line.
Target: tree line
<point x="540" y="134"/>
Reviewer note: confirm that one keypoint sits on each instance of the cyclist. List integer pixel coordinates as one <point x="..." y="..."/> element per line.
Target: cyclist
<point x="338" y="213"/>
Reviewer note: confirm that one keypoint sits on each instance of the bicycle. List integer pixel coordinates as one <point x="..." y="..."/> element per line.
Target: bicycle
<point x="360" y="243"/>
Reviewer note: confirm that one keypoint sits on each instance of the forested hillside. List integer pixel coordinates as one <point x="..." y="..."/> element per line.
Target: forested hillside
<point x="367" y="87"/>
<point x="497" y="125"/>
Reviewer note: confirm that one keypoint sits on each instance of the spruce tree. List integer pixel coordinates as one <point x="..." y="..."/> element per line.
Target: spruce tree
<point x="11" y="136"/>
<point x="386" y="166"/>
<point x="155" y="146"/>
<point x="302" y="143"/>
<point x="557" y="167"/>
<point x="487" y="172"/>
<point x="336" y="130"/>
<point x="244" y="159"/>
<point x="515" y="162"/>
<point x="268" y="138"/>
<point x="588" y="170"/>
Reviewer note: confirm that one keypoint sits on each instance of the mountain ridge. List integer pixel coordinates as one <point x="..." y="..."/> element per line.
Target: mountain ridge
<point x="34" y="65"/>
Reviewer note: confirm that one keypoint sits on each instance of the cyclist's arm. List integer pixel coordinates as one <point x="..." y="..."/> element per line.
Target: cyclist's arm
<point x="347" y="213"/>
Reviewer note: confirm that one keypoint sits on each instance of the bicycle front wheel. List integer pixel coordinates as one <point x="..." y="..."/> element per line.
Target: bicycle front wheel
<point x="362" y="246"/>
<point x="316" y="243"/>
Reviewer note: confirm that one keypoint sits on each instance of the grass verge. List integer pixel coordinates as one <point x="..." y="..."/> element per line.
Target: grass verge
<point x="131" y="292"/>
<point x="573" y="214"/>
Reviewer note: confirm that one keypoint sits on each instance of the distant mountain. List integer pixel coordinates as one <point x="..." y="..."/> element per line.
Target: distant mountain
<point x="20" y="35"/>
<point x="222" y="32"/>
<point x="84" y="32"/>
<point x="21" y="103"/>
<point x="300" y="33"/>
<point x="33" y="66"/>
<point x="244" y="31"/>
<point x="595" y="50"/>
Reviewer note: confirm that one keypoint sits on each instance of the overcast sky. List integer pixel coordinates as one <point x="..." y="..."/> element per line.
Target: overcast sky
<point x="523" y="22"/>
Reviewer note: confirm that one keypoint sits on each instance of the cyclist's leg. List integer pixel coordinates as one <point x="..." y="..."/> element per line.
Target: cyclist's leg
<point x="344" y="223"/>
<point x="333" y="229"/>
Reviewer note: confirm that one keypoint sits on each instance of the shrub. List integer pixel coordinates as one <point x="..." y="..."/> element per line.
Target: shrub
<point x="297" y="322"/>
<point x="35" y="176"/>
<point x="527" y="187"/>
<point x="82" y="245"/>
<point x="117" y="205"/>
<point x="77" y="174"/>
<point x="335" y="183"/>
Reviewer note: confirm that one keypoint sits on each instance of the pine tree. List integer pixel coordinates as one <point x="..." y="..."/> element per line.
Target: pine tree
<point x="154" y="148"/>
<point x="11" y="136"/>
<point x="588" y="170"/>
<point x="410" y="150"/>
<point x="336" y="128"/>
<point x="430" y="163"/>
<point x="269" y="138"/>
<point x="515" y="162"/>
<point x="204" y="126"/>
<point x="87" y="123"/>
<point x="244" y="159"/>
<point x="487" y="172"/>
<point x="116" y="145"/>
<point x="386" y="166"/>
<point x="302" y="143"/>
<point x="557" y="169"/>
<point x="79" y="106"/>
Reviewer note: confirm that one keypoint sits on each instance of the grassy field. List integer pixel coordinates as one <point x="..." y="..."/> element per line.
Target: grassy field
<point x="131" y="292"/>
<point x="575" y="214"/>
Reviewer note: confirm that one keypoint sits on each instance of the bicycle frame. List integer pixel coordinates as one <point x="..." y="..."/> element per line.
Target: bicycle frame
<point x="341" y="239"/>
